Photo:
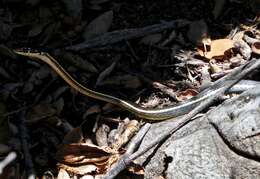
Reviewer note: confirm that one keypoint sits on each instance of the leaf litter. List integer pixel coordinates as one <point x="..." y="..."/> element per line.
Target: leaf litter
<point x="87" y="136"/>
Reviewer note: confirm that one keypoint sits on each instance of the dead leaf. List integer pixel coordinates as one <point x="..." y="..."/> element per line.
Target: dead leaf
<point x="129" y="130"/>
<point x="63" y="174"/>
<point x="80" y="170"/>
<point x="74" y="136"/>
<point x="91" y="157"/>
<point x="151" y="39"/>
<point x="214" y="67"/>
<point x="256" y="48"/>
<point x="36" y="29"/>
<point x="187" y="94"/>
<point x="40" y="111"/>
<point x="77" y="61"/>
<point x="58" y="105"/>
<point x="218" y="48"/>
<point x="99" y="25"/>
<point x="135" y="169"/>
<point x="105" y="73"/>
<point x="92" y="110"/>
<point x="238" y="36"/>
<point x="243" y="48"/>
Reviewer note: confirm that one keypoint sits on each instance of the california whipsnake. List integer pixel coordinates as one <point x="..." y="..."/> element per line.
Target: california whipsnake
<point x="151" y="114"/>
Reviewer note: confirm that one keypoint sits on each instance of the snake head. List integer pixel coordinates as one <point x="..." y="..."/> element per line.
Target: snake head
<point x="32" y="53"/>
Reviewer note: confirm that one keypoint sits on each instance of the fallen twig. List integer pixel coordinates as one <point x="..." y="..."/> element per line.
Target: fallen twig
<point x="238" y="73"/>
<point x="126" y="34"/>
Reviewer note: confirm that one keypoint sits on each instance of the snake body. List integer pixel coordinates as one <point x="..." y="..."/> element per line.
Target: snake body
<point x="151" y="114"/>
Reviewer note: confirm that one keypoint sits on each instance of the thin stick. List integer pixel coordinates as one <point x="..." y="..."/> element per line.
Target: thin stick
<point x="126" y="34"/>
<point x="239" y="73"/>
<point x="120" y="164"/>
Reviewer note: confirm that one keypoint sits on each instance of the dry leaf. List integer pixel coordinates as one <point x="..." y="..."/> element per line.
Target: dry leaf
<point x="91" y="157"/>
<point x="40" y="111"/>
<point x="74" y="136"/>
<point x="135" y="169"/>
<point x="63" y="174"/>
<point x="214" y="67"/>
<point x="243" y="48"/>
<point x="218" y="48"/>
<point x="238" y="36"/>
<point x="151" y="39"/>
<point x="79" y="170"/>
<point x="75" y="153"/>
<point x="77" y="61"/>
<point x="105" y="73"/>
<point x="99" y="25"/>
<point x="36" y="29"/>
<point x="129" y="130"/>
<point x="256" y="48"/>
<point x="58" y="105"/>
<point x="187" y="94"/>
<point x="92" y="110"/>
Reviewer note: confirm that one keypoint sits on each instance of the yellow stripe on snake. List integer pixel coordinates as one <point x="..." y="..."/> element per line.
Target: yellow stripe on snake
<point x="150" y="114"/>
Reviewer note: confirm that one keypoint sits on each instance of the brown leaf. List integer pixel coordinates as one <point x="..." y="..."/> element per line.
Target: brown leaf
<point x="187" y="94"/>
<point x="83" y="153"/>
<point x="217" y="48"/>
<point x="135" y="169"/>
<point x="74" y="136"/>
<point x="129" y="130"/>
<point x="99" y="25"/>
<point x="256" y="48"/>
<point x="40" y="111"/>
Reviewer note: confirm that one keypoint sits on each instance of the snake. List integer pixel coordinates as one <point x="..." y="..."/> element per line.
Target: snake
<point x="157" y="114"/>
